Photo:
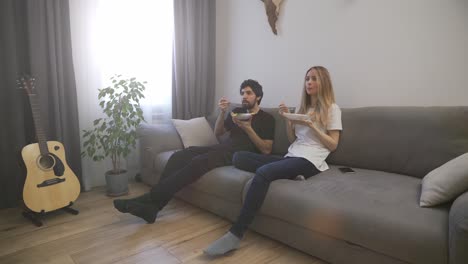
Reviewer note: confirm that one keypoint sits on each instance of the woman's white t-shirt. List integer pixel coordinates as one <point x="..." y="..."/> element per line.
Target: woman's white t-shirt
<point x="307" y="145"/>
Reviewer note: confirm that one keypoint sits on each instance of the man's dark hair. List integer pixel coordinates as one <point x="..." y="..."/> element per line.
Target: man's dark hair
<point x="256" y="88"/>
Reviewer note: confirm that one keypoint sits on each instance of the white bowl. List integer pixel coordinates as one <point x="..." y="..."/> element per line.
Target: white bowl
<point x="297" y="117"/>
<point x="242" y="116"/>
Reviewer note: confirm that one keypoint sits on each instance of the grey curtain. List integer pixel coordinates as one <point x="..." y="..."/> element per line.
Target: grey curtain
<point x="35" y="39"/>
<point x="13" y="54"/>
<point x="193" y="84"/>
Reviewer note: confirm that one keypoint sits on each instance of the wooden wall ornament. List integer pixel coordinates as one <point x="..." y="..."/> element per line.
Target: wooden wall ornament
<point x="272" y="8"/>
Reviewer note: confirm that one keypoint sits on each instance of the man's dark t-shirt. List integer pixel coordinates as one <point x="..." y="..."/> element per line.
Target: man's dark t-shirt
<point x="263" y="124"/>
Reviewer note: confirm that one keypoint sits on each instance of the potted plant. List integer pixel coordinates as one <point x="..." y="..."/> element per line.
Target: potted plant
<point x="114" y="136"/>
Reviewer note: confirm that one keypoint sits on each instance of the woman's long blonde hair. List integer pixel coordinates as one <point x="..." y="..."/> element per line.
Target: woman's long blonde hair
<point x="325" y="97"/>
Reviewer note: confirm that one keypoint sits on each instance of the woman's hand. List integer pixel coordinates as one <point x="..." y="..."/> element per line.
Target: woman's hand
<point x="283" y="109"/>
<point x="289" y="125"/>
<point x="329" y="138"/>
<point x="307" y="123"/>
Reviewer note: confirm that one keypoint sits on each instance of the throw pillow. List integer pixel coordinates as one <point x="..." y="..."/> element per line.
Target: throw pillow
<point x="195" y="132"/>
<point x="445" y="183"/>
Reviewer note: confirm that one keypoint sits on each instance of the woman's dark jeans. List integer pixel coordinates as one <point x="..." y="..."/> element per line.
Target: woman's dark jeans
<point x="267" y="168"/>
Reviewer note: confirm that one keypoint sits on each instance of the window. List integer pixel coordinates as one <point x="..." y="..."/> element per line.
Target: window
<point x="134" y="38"/>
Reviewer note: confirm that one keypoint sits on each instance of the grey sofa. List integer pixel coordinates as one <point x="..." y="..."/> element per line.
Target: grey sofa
<point x="371" y="216"/>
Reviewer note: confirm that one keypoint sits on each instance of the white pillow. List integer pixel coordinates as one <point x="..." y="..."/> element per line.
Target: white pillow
<point x="195" y="132"/>
<point x="446" y="182"/>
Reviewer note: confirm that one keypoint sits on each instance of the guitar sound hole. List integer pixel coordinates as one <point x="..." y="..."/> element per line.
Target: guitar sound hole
<point x="46" y="162"/>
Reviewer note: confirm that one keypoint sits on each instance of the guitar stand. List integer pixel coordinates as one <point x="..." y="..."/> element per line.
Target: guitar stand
<point x="35" y="218"/>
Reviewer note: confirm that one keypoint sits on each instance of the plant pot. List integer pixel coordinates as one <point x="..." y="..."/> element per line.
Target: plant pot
<point x="117" y="183"/>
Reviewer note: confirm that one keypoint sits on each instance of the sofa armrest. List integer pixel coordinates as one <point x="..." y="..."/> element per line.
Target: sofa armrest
<point x="159" y="138"/>
<point x="154" y="139"/>
<point x="458" y="230"/>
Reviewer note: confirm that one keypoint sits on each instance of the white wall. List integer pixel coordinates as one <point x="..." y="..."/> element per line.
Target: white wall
<point x="379" y="52"/>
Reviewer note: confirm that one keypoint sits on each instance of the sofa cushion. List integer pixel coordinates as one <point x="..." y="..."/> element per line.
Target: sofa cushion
<point x="406" y="140"/>
<point x="224" y="182"/>
<point x="372" y="209"/>
<point x="195" y="132"/>
<point x="446" y="182"/>
<point x="330" y="249"/>
<point x="217" y="205"/>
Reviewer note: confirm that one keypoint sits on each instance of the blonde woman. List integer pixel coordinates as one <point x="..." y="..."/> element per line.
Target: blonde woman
<point x="312" y="141"/>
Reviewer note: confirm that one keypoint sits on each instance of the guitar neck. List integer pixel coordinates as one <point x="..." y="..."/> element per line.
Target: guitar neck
<point x="41" y="137"/>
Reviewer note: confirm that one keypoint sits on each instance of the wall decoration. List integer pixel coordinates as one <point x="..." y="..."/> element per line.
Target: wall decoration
<point x="272" y="8"/>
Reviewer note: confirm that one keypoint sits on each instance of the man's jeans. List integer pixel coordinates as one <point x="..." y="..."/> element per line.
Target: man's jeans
<point x="185" y="167"/>
<point x="267" y="168"/>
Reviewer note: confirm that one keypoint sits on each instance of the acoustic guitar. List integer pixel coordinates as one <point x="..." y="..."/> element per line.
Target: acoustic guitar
<point x="50" y="183"/>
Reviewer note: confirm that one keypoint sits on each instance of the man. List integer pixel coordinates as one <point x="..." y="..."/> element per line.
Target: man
<point x="187" y="166"/>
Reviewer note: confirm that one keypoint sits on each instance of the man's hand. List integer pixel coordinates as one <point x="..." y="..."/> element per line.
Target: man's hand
<point x="223" y="104"/>
<point x="244" y="125"/>
<point x="264" y="145"/>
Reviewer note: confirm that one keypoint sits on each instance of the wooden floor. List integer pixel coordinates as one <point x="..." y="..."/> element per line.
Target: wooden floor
<point x="100" y="234"/>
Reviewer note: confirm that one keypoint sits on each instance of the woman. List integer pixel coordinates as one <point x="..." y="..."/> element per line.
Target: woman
<point x="312" y="141"/>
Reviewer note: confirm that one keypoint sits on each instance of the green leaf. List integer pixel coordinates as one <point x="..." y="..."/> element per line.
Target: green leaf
<point x="115" y="134"/>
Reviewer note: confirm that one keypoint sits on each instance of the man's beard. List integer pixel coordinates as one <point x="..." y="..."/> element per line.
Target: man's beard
<point x="246" y="105"/>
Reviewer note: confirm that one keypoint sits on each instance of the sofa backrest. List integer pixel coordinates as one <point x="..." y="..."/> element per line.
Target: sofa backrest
<point x="406" y="140"/>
